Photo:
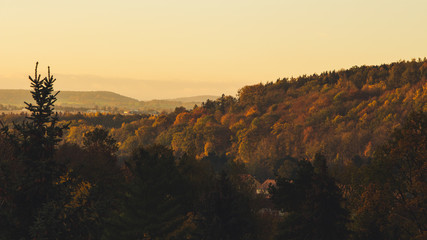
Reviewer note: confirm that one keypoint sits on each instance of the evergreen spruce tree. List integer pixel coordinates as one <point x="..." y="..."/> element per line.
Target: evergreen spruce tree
<point x="39" y="136"/>
<point x="34" y="141"/>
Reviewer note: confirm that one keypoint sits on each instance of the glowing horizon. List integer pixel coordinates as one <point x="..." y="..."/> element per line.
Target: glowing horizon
<point x="191" y="47"/>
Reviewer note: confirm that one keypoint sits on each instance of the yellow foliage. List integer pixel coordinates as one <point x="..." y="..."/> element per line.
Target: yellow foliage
<point x="417" y="95"/>
<point x="339" y="96"/>
<point x="409" y="96"/>
<point x="79" y="190"/>
<point x="372" y="104"/>
<point x="377" y="86"/>
<point x="182" y="118"/>
<point x="79" y="195"/>
<point x="364" y="117"/>
<point x="325" y="88"/>
<point x="337" y="119"/>
<point x="397" y="95"/>
<point x="388" y="117"/>
<point x="64" y="178"/>
<point x="253" y="110"/>
<point x="238" y="126"/>
<point x="277" y="128"/>
<point x="75" y="133"/>
<point x="225" y="119"/>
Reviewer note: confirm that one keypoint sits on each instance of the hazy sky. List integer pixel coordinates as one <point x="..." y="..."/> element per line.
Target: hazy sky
<point x="174" y="48"/>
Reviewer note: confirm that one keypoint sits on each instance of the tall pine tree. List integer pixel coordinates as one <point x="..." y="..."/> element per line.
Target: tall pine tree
<point x="34" y="141"/>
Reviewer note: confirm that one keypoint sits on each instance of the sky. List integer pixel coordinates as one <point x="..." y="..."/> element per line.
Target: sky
<point x="161" y="49"/>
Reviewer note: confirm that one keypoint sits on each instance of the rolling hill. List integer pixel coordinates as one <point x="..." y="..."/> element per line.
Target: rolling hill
<point x="101" y="99"/>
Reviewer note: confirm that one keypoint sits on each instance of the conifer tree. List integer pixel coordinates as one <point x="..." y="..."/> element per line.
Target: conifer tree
<point x="39" y="136"/>
<point x="34" y="141"/>
<point x="152" y="207"/>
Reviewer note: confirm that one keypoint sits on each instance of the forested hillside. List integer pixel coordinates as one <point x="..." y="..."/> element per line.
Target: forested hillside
<point x="343" y="114"/>
<point x="342" y="155"/>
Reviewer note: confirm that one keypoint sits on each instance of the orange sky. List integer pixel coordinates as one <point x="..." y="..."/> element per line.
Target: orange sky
<point x="170" y="48"/>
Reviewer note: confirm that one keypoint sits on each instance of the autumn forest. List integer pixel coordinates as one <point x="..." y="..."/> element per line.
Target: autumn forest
<point x="336" y="155"/>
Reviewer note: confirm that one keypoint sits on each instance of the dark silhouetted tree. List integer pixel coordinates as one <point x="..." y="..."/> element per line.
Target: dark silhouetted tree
<point x="34" y="141"/>
<point x="227" y="213"/>
<point x="99" y="140"/>
<point x="152" y="206"/>
<point x="311" y="203"/>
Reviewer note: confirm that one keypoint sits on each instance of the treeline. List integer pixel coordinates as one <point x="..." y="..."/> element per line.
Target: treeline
<point x="189" y="174"/>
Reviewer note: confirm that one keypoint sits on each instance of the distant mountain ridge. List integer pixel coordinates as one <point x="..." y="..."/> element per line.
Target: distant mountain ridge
<point x="102" y="99"/>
